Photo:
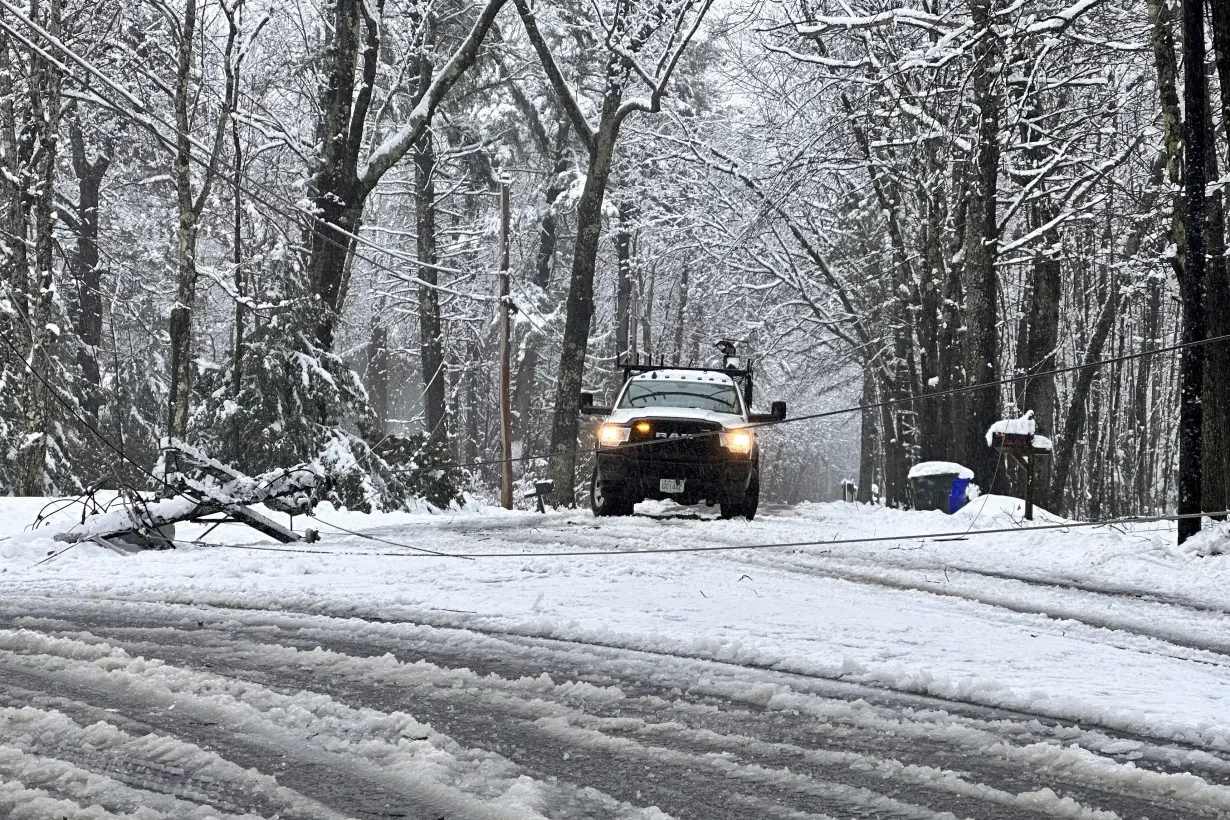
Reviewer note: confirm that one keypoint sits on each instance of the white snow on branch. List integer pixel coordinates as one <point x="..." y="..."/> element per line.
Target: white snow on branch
<point x="1062" y="19"/>
<point x="909" y="17"/>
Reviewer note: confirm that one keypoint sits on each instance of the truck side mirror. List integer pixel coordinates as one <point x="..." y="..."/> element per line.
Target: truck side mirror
<point x="587" y="406"/>
<point x="778" y="410"/>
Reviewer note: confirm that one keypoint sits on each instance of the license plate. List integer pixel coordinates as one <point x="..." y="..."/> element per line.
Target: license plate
<point x="671" y="485"/>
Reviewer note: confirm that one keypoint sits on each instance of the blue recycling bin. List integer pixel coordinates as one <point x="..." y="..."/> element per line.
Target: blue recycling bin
<point x="956" y="499"/>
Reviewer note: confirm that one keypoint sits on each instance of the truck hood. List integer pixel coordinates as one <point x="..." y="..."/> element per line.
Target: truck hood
<point x="626" y="415"/>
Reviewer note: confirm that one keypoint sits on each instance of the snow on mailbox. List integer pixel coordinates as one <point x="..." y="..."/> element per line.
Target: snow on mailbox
<point x="1013" y="432"/>
<point x="1019" y="440"/>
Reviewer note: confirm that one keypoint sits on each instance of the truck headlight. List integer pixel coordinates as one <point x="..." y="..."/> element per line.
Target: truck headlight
<point x="737" y="441"/>
<point x="612" y="435"/>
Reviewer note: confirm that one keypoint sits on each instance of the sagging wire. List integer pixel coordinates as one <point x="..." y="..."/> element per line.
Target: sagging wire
<point x="380" y="540"/>
<point x="932" y="536"/>
<point x="994" y="475"/>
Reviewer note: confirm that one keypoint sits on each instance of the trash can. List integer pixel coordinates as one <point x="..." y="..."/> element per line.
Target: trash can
<point x="939" y="485"/>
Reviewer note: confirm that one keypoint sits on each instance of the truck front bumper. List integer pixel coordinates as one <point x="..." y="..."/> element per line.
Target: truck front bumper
<point x="639" y="472"/>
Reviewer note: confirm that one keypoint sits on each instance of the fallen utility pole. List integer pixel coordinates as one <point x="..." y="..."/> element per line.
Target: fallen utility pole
<point x="215" y="494"/>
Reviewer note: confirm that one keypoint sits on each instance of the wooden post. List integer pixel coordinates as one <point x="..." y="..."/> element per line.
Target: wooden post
<point x="1028" y="463"/>
<point x="1023" y="452"/>
<point x="506" y="486"/>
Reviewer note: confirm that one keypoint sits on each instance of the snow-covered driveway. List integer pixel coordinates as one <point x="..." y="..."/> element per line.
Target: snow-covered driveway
<point x="1059" y="674"/>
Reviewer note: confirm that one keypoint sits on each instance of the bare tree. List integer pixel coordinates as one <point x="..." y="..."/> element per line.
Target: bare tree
<point x="38" y="141"/>
<point x="345" y="173"/>
<point x="192" y="196"/>
<point x="630" y="32"/>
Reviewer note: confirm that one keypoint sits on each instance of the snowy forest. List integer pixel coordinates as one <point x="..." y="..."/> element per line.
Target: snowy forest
<point x="273" y="231"/>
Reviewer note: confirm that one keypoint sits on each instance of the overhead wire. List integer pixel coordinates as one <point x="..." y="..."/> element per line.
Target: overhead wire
<point x="929" y="536"/>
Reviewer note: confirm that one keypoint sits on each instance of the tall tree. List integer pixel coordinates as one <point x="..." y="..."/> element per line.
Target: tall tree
<point x="191" y="196"/>
<point x="43" y="135"/>
<point x="1192" y="281"/>
<point x="346" y="171"/>
<point x="981" y="343"/>
<point x="629" y="32"/>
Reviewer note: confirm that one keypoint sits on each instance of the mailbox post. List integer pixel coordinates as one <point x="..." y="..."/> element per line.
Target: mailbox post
<point x="1018" y="439"/>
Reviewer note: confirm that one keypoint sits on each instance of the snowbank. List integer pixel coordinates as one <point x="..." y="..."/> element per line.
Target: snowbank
<point x="994" y="511"/>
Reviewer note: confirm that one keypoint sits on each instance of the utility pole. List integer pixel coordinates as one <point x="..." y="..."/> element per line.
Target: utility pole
<point x="506" y="485"/>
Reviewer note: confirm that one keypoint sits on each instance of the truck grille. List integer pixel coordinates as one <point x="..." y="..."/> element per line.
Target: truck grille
<point x="672" y="440"/>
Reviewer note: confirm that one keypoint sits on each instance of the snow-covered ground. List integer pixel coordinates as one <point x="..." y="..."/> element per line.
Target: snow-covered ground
<point x="1098" y="659"/>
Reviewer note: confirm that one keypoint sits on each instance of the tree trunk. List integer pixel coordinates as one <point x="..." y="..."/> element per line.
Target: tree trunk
<point x="529" y="431"/>
<point x="1074" y="419"/>
<point x="86" y="271"/>
<point x="867" y="440"/>
<point x="1166" y="169"/>
<point x="1216" y="400"/>
<point x="981" y="238"/>
<point x="1166" y="64"/>
<point x="580" y="304"/>
<point x="38" y="399"/>
<point x="684" y="285"/>
<point x="378" y="371"/>
<point x="237" y="351"/>
<point x="431" y="343"/>
<point x="190" y="206"/>
<point x="1219" y="12"/>
<point x="185" y="257"/>
<point x="1192" y="282"/>
<point x="625" y="342"/>
<point x="470" y="453"/>
<point x="1041" y="345"/>
<point x="935" y="437"/>
<point x="1143" y="406"/>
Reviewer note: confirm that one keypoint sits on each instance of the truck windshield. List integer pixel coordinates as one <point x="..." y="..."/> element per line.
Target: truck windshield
<point x="720" y="398"/>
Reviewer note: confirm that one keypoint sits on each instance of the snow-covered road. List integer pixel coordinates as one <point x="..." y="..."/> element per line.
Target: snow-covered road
<point x="1074" y="674"/>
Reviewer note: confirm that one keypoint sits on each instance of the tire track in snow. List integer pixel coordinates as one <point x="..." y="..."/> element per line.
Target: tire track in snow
<point x="361" y="763"/>
<point x="687" y="780"/>
<point x="792" y="755"/>
<point x="1162" y="751"/>
<point x="1087" y="607"/>
<point x="581" y="532"/>
<point x="96" y="763"/>
<point x="896" y="576"/>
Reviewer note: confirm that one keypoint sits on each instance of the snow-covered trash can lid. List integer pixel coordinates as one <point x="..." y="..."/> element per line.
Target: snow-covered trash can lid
<point x="937" y="468"/>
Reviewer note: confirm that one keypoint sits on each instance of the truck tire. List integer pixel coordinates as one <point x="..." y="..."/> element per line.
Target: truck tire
<point x="752" y="500"/>
<point x="746" y="504"/>
<point x="607" y="503"/>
